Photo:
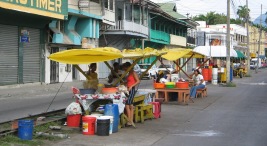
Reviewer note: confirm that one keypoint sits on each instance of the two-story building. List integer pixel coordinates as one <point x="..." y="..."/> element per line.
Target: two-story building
<point x="23" y="29"/>
<point x="254" y="40"/>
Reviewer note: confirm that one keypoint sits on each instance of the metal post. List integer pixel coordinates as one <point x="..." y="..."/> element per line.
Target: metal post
<point x="248" y="50"/>
<point x="259" y="44"/>
<point x="228" y="43"/>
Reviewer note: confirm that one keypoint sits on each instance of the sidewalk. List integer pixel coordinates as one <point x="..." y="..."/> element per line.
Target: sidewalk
<point x="21" y="90"/>
<point x="173" y="116"/>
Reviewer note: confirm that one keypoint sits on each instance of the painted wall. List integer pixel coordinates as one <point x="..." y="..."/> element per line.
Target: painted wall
<point x="177" y="40"/>
<point x="47" y="66"/>
<point x="94" y="8"/>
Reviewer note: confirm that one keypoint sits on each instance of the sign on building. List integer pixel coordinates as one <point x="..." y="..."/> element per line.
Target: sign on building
<point x="49" y="8"/>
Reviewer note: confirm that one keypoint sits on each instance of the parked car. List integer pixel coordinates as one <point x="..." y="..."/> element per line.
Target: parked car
<point x="253" y="65"/>
<point x="152" y="72"/>
<point x="165" y="67"/>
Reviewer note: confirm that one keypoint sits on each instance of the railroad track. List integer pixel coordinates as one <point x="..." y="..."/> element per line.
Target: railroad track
<point x="10" y="127"/>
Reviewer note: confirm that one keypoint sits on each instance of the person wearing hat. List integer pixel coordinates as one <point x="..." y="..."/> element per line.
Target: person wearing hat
<point x="199" y="83"/>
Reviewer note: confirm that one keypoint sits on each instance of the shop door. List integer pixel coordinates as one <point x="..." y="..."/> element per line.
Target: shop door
<point x="8" y="54"/>
<point x="31" y="57"/>
<point x="54" y="68"/>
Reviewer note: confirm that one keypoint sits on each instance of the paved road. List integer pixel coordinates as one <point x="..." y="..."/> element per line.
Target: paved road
<point x="236" y="117"/>
<point x="227" y="117"/>
<point x="17" y="102"/>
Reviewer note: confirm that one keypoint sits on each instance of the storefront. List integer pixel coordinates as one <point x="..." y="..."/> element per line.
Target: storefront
<point x="23" y="27"/>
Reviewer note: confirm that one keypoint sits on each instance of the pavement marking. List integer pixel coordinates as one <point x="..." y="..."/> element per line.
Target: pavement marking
<point x="201" y="133"/>
<point x="262" y="83"/>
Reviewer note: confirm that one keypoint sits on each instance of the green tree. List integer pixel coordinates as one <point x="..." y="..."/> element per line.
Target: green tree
<point x="213" y="18"/>
<point x="243" y="13"/>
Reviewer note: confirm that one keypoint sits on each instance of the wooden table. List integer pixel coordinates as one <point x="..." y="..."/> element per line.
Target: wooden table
<point x="183" y="93"/>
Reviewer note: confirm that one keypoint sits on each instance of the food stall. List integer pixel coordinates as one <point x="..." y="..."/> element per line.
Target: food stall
<point x="182" y="88"/>
<point x="87" y="56"/>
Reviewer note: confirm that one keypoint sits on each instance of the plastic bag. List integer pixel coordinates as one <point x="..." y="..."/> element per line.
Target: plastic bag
<point x="73" y="109"/>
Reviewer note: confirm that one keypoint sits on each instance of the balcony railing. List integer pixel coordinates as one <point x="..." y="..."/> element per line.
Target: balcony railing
<point x="159" y="36"/>
<point x="124" y="25"/>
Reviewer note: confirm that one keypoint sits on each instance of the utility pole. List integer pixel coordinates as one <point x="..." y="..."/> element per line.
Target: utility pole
<point x="248" y="51"/>
<point x="228" y="44"/>
<point x="259" y="43"/>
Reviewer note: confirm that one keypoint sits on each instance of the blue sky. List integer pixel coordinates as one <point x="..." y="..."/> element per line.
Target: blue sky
<point x="196" y="7"/>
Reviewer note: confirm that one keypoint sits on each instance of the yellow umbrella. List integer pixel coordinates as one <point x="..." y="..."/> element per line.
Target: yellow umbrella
<point x="174" y="54"/>
<point x="141" y="53"/>
<point x="86" y="56"/>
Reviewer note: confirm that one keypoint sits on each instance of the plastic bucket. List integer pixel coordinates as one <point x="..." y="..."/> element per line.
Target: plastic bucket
<point x="96" y="116"/>
<point x="73" y="120"/>
<point x="103" y="124"/>
<point x="89" y="125"/>
<point x="205" y="73"/>
<point x="25" y="130"/>
<point x="210" y="74"/>
<point x="110" y="124"/>
<point x="214" y="82"/>
<point x="182" y="84"/>
<point x="113" y="110"/>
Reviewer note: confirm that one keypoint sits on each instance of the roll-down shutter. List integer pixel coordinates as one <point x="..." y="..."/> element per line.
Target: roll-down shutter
<point x="8" y="54"/>
<point x="31" y="57"/>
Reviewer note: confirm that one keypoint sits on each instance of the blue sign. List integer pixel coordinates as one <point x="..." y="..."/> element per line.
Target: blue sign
<point x="24" y="39"/>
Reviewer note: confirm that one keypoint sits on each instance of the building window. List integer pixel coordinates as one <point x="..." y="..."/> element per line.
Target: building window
<point x="111" y="4"/>
<point x="96" y="1"/>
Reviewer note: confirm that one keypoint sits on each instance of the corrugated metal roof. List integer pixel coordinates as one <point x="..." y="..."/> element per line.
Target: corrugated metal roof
<point x="169" y="8"/>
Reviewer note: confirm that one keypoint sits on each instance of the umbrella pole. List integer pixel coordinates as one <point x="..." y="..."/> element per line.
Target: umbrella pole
<point x="141" y="76"/>
<point x="127" y="71"/>
<point x="181" y="69"/>
<point x="78" y="67"/>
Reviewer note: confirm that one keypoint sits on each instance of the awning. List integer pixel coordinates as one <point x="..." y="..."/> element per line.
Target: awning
<point x="141" y="53"/>
<point x="240" y="54"/>
<point x="214" y="51"/>
<point x="174" y="54"/>
<point x="86" y="56"/>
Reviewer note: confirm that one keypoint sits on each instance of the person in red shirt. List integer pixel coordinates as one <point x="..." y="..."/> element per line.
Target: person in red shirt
<point x="132" y="80"/>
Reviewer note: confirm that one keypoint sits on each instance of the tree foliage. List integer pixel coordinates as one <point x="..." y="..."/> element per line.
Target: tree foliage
<point x="213" y="18"/>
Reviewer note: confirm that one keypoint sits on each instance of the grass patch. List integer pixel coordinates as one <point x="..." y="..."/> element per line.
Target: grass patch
<point x="11" y="140"/>
<point x="230" y="84"/>
<point x="38" y="140"/>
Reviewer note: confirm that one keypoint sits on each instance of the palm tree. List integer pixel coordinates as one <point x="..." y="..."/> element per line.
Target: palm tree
<point x="243" y="13"/>
<point x="211" y="16"/>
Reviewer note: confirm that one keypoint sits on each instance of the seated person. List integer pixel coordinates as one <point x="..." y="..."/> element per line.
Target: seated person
<point x="165" y="77"/>
<point x="112" y="77"/>
<point x="92" y="82"/>
<point x="199" y="83"/>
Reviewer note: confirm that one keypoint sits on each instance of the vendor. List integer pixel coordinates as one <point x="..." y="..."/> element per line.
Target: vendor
<point x="163" y="77"/>
<point x="92" y="82"/>
<point x="112" y="77"/>
<point x="199" y="83"/>
<point x="132" y="82"/>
